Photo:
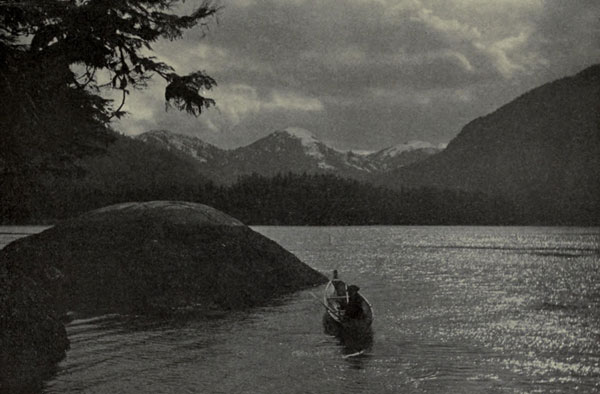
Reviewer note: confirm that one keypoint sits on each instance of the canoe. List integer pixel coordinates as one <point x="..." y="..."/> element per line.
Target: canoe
<point x="334" y="311"/>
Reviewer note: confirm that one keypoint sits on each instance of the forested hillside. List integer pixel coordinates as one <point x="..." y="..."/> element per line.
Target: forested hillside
<point x="285" y="199"/>
<point x="303" y="199"/>
<point x="541" y="150"/>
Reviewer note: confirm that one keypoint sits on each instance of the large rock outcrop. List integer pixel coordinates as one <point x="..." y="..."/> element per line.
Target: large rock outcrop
<point x="151" y="257"/>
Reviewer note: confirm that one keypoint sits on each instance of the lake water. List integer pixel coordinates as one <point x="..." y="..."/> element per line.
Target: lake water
<point x="457" y="310"/>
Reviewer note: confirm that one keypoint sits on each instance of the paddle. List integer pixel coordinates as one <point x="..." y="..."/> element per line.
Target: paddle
<point x="330" y="309"/>
<point x="354" y="354"/>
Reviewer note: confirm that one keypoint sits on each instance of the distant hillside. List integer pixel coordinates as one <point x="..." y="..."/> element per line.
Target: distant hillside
<point x="208" y="159"/>
<point x="181" y="144"/>
<point x="133" y="170"/>
<point x="326" y="200"/>
<point x="541" y="150"/>
<point x="128" y="170"/>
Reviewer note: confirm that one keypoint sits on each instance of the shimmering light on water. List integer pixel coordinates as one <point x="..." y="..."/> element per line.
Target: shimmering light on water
<point x="457" y="309"/>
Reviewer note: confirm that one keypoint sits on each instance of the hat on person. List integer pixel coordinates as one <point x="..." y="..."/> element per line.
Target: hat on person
<point x="353" y="288"/>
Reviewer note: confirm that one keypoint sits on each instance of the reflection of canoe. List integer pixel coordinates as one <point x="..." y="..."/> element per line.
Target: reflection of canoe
<point x="333" y="305"/>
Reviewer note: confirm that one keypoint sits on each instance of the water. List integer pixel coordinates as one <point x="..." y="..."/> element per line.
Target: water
<point x="457" y="309"/>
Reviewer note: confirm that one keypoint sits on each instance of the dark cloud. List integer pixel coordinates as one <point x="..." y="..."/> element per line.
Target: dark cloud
<point x="366" y="74"/>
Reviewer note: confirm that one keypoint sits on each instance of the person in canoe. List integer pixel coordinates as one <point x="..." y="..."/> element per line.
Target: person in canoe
<point x="341" y="292"/>
<point x="354" y="309"/>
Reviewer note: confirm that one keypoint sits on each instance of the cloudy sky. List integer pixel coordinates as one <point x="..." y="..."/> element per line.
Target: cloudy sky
<point x="368" y="74"/>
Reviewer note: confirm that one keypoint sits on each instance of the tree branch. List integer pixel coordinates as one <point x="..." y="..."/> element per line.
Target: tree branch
<point x="117" y="113"/>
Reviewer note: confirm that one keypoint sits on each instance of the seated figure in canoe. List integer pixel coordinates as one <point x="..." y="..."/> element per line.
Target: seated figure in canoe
<point x="354" y="307"/>
<point x="345" y="304"/>
<point x="341" y="291"/>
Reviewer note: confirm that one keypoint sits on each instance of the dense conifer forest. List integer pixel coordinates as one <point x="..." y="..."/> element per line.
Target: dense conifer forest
<point x="285" y="199"/>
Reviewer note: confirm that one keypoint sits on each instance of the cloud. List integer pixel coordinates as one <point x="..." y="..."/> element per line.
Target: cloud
<point x="510" y="55"/>
<point x="292" y="101"/>
<point x="236" y="102"/>
<point x="451" y="28"/>
<point x="372" y="72"/>
<point x="491" y="49"/>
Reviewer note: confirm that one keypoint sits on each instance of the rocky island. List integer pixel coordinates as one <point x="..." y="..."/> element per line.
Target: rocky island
<point x="149" y="257"/>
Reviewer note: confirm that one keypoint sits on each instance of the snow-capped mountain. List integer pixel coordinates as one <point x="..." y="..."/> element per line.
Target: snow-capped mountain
<point x="291" y="141"/>
<point x="191" y="146"/>
<point x="406" y="147"/>
<point x="403" y="154"/>
<point x="290" y="150"/>
<point x="294" y="150"/>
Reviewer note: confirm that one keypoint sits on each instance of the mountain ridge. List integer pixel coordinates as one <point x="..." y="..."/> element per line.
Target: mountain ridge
<point x="541" y="149"/>
<point x="292" y="149"/>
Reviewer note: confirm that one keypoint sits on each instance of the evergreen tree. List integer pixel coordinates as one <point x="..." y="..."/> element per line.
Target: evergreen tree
<point x="51" y="55"/>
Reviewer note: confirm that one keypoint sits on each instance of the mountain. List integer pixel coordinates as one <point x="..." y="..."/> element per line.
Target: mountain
<point x="290" y="150"/>
<point x="128" y="170"/>
<point x="297" y="150"/>
<point x="208" y="159"/>
<point x="542" y="150"/>
<point x="294" y="150"/>
<point x="178" y="143"/>
<point x="131" y="164"/>
<point x="402" y="155"/>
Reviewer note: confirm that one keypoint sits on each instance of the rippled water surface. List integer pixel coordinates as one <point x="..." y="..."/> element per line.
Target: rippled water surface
<point x="457" y="309"/>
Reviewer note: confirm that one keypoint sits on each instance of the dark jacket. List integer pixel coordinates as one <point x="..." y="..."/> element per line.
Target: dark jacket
<point x="354" y="308"/>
